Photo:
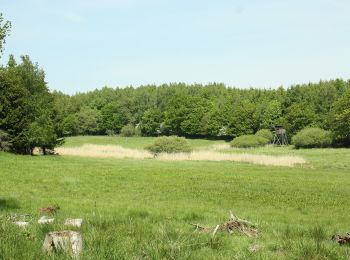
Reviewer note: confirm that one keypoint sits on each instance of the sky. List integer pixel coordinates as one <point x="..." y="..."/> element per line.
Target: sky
<point x="87" y="44"/>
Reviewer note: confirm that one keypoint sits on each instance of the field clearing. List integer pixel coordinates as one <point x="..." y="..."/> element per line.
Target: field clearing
<point x="211" y="153"/>
<point x="141" y="209"/>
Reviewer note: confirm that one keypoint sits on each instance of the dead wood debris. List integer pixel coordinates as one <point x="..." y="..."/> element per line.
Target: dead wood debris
<point x="234" y="224"/>
<point x="342" y="239"/>
<point x="52" y="210"/>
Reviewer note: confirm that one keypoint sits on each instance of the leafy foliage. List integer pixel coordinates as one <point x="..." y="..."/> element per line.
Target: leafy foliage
<point x="169" y="144"/>
<point x="341" y="121"/>
<point x="265" y="133"/>
<point x="151" y="122"/>
<point x="5" y="27"/>
<point x="312" y="138"/>
<point x="5" y="143"/>
<point x="249" y="141"/>
<point x="128" y="131"/>
<point x="271" y="114"/>
<point x="26" y="110"/>
<point x="199" y="110"/>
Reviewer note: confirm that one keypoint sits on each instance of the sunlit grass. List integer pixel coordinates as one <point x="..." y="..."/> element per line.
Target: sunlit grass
<point x="141" y="209"/>
<point x="119" y="152"/>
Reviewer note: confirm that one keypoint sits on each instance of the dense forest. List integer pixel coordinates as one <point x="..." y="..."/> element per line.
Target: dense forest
<point x="211" y="111"/>
<point x="32" y="116"/>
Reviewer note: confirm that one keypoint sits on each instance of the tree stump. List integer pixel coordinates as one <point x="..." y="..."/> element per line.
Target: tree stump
<point x="68" y="241"/>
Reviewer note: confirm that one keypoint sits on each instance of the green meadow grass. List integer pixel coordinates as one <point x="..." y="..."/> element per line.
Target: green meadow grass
<point x="141" y="209"/>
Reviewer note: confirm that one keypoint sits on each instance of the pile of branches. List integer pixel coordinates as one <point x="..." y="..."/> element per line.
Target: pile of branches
<point x="342" y="239"/>
<point x="234" y="224"/>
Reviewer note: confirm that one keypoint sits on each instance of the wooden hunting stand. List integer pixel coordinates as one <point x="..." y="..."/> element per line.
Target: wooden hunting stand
<point x="280" y="137"/>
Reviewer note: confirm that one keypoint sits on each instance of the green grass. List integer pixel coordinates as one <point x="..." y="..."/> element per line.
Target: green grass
<point x="326" y="158"/>
<point x="141" y="209"/>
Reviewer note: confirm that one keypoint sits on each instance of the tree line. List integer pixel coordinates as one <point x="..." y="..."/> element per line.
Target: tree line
<point x="32" y="116"/>
<point x="210" y="111"/>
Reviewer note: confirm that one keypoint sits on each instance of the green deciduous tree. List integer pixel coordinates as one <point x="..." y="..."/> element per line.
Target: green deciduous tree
<point x="5" y="27"/>
<point x="26" y="112"/>
<point x="341" y="119"/>
<point x="115" y="116"/>
<point x="299" y="116"/>
<point x="151" y="122"/>
<point x="41" y="133"/>
<point x="271" y="114"/>
<point x="242" y="118"/>
<point x="89" y="121"/>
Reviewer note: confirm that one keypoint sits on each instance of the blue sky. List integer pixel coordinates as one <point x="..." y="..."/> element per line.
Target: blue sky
<point x="87" y="44"/>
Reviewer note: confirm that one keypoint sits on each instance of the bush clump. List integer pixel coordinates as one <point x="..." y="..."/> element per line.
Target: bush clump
<point x="312" y="137"/>
<point x="5" y="144"/>
<point x="128" y="131"/>
<point x="267" y="134"/>
<point x="249" y="141"/>
<point x="169" y="144"/>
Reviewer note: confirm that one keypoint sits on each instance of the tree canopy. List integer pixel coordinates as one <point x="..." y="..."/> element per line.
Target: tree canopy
<point x="212" y="111"/>
<point x="5" y="27"/>
<point x="26" y="107"/>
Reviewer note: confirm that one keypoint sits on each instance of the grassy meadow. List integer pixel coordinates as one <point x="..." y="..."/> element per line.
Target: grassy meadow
<point x="141" y="209"/>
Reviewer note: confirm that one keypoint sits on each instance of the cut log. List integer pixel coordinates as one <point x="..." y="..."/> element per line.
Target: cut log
<point x="68" y="241"/>
<point x="75" y="222"/>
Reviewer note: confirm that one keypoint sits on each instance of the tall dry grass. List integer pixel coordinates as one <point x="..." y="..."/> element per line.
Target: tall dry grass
<point x="244" y="157"/>
<point x="118" y="152"/>
<point x="104" y="151"/>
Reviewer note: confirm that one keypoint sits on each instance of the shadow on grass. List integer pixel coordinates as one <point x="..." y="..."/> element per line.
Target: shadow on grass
<point x="6" y="204"/>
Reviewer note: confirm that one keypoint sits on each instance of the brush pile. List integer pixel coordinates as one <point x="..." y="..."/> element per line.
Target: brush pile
<point x="234" y="224"/>
<point x="342" y="239"/>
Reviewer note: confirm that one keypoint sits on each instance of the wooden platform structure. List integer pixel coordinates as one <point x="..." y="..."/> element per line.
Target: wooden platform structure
<point x="280" y="136"/>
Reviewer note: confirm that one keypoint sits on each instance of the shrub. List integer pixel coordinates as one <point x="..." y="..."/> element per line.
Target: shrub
<point x="5" y="144"/>
<point x="247" y="141"/>
<point x="138" y="131"/>
<point x="109" y="132"/>
<point x="311" y="138"/>
<point x="127" y="130"/>
<point x="267" y="134"/>
<point x="169" y="144"/>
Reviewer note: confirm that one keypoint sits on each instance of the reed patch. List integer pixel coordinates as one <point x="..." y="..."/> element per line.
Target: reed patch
<point x="119" y="152"/>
